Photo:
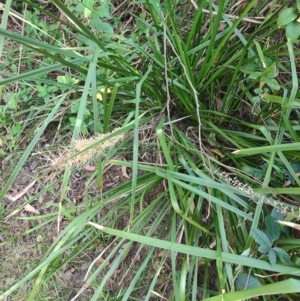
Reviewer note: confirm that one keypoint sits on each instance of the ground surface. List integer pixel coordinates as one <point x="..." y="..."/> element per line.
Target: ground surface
<point x="24" y="239"/>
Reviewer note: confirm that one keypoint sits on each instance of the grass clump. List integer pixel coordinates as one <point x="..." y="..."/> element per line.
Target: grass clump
<point x="189" y="118"/>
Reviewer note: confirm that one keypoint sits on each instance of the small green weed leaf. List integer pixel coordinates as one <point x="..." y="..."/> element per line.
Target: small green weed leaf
<point x="298" y="5"/>
<point x="117" y="21"/>
<point x="277" y="215"/>
<point x="12" y="102"/>
<point x="272" y="83"/>
<point x="101" y="108"/>
<point x="103" y="11"/>
<point x="264" y="248"/>
<point x="86" y="12"/>
<point x="62" y="79"/>
<point x="274" y="72"/>
<point x="88" y="7"/>
<point x="259" y="91"/>
<point x="72" y="120"/>
<point x="292" y="31"/>
<point x="255" y="99"/>
<point x="75" y="107"/>
<point x="107" y="28"/>
<point x="79" y="8"/>
<point x="96" y="23"/>
<point x="273" y="227"/>
<point x="14" y="67"/>
<point x="42" y="91"/>
<point x="264" y="166"/>
<point x="261" y="238"/>
<point x="272" y="257"/>
<point x="67" y="79"/>
<point x="273" y="98"/>
<point x="249" y="68"/>
<point x="296" y="169"/>
<point x="255" y="74"/>
<point x="100" y="26"/>
<point x="259" y="174"/>
<point x="244" y="281"/>
<point x="269" y="62"/>
<point x="282" y="255"/>
<point x="286" y="16"/>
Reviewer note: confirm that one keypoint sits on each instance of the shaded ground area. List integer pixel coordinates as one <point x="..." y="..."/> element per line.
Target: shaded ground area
<point x="29" y="225"/>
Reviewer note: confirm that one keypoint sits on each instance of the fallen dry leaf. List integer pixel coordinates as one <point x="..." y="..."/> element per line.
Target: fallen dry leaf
<point x="164" y="253"/>
<point x="13" y="198"/>
<point x="216" y="151"/>
<point x="212" y="245"/>
<point x="68" y="274"/>
<point x="99" y="261"/>
<point x="124" y="172"/>
<point x="31" y="209"/>
<point x="89" y="168"/>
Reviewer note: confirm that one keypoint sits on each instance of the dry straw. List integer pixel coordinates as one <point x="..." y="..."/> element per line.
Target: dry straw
<point x="81" y="151"/>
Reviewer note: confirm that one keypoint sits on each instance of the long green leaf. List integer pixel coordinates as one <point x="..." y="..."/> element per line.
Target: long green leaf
<point x="200" y="252"/>
<point x="283" y="287"/>
<point x="265" y="149"/>
<point x="3" y="24"/>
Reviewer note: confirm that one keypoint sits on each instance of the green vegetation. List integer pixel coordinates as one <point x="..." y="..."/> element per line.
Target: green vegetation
<point x="166" y="140"/>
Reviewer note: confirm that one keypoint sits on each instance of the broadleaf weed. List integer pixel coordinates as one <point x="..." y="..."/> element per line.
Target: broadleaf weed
<point x="267" y="238"/>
